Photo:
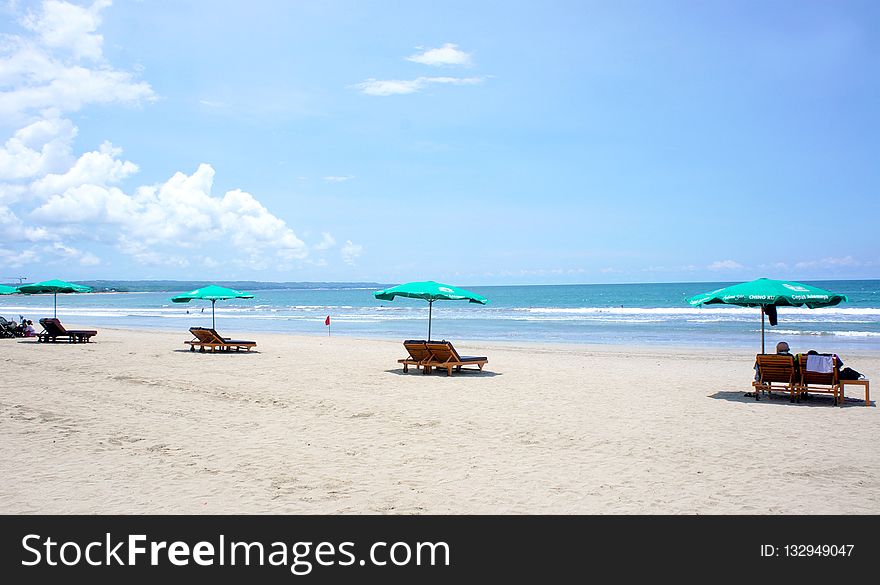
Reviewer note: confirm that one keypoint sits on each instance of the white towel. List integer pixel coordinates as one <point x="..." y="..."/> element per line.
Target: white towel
<point x="822" y="364"/>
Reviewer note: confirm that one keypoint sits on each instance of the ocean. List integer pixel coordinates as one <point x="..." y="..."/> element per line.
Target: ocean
<point x="638" y="314"/>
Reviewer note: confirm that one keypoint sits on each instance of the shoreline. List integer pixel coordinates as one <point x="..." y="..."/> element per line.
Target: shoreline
<point x="135" y="423"/>
<point x="503" y="344"/>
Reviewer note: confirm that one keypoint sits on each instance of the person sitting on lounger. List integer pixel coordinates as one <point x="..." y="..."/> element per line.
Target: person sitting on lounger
<point x="29" y="330"/>
<point x="782" y="348"/>
<point x="838" y="363"/>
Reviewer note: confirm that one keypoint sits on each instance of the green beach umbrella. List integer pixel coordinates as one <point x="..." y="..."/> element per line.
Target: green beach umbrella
<point x="211" y="293"/>
<point x="766" y="293"/>
<point x="429" y="291"/>
<point x="7" y="290"/>
<point x="54" y="287"/>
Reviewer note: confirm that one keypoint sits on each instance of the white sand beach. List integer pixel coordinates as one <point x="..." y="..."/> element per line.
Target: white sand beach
<point x="134" y="423"/>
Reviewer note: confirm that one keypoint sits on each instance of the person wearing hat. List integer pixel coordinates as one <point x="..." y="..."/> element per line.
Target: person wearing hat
<point x="781" y="349"/>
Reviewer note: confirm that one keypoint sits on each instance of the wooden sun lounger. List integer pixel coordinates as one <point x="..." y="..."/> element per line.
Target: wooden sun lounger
<point x="418" y="354"/>
<point x="820" y="383"/>
<point x="443" y="355"/>
<point x="776" y="373"/>
<point x="208" y="338"/>
<point x="53" y="330"/>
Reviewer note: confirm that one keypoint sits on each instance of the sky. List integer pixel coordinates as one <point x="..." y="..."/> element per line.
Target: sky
<point x="495" y="142"/>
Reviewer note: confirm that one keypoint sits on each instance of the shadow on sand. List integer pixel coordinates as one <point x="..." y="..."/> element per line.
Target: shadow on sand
<point x="197" y="352"/>
<point x="780" y="399"/>
<point x="470" y="372"/>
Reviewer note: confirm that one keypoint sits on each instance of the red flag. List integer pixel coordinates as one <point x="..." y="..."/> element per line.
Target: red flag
<point x="327" y="321"/>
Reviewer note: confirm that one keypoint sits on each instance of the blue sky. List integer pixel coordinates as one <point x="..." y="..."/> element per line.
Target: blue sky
<point x="467" y="142"/>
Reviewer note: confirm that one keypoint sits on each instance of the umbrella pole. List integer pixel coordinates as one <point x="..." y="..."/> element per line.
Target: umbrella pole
<point x="56" y="306"/>
<point x="213" y="324"/>
<point x="430" y="307"/>
<point x="762" y="328"/>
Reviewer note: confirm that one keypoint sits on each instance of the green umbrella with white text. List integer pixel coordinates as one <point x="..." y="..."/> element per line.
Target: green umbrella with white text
<point x="769" y="294"/>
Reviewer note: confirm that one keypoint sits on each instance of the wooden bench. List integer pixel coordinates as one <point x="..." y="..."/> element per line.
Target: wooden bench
<point x="418" y="354"/>
<point x="443" y="355"/>
<point x="208" y="338"/>
<point x="53" y="330"/>
<point x="863" y="383"/>
<point x="776" y="373"/>
<point x="820" y="382"/>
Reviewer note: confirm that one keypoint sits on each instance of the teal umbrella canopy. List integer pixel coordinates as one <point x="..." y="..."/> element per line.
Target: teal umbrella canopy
<point x="7" y="290"/>
<point x="211" y="293"/>
<point x="766" y="293"/>
<point x="53" y="287"/>
<point x="430" y="291"/>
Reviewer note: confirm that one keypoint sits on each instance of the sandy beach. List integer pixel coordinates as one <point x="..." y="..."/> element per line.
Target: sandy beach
<point x="135" y="423"/>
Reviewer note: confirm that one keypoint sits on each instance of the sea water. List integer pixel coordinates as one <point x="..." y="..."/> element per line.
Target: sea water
<point x="632" y="314"/>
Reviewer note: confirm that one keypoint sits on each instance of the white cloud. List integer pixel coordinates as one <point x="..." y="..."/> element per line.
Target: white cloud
<point x="447" y="55"/>
<point x="69" y="27"/>
<point x="830" y="262"/>
<point x="154" y="223"/>
<point x="100" y="167"/>
<point x="685" y="268"/>
<point x="351" y="252"/>
<point x="327" y="242"/>
<point x="18" y="258"/>
<point x="782" y="266"/>
<point x="386" y="87"/>
<point x="41" y="147"/>
<point x="47" y="70"/>
<point x="337" y="179"/>
<point x="213" y="104"/>
<point x="10" y="193"/>
<point x="12" y="229"/>
<point x="725" y="265"/>
<point x="71" y="254"/>
<point x="55" y="205"/>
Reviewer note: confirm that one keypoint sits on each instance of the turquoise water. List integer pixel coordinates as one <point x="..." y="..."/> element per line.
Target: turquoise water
<point x="611" y="313"/>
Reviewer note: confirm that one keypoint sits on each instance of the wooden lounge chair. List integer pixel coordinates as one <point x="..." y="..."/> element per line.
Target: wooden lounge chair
<point x="418" y="354"/>
<point x="53" y="330"/>
<point x="776" y="373"/>
<point x="206" y="337"/>
<point x="443" y="355"/>
<point x="819" y="382"/>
